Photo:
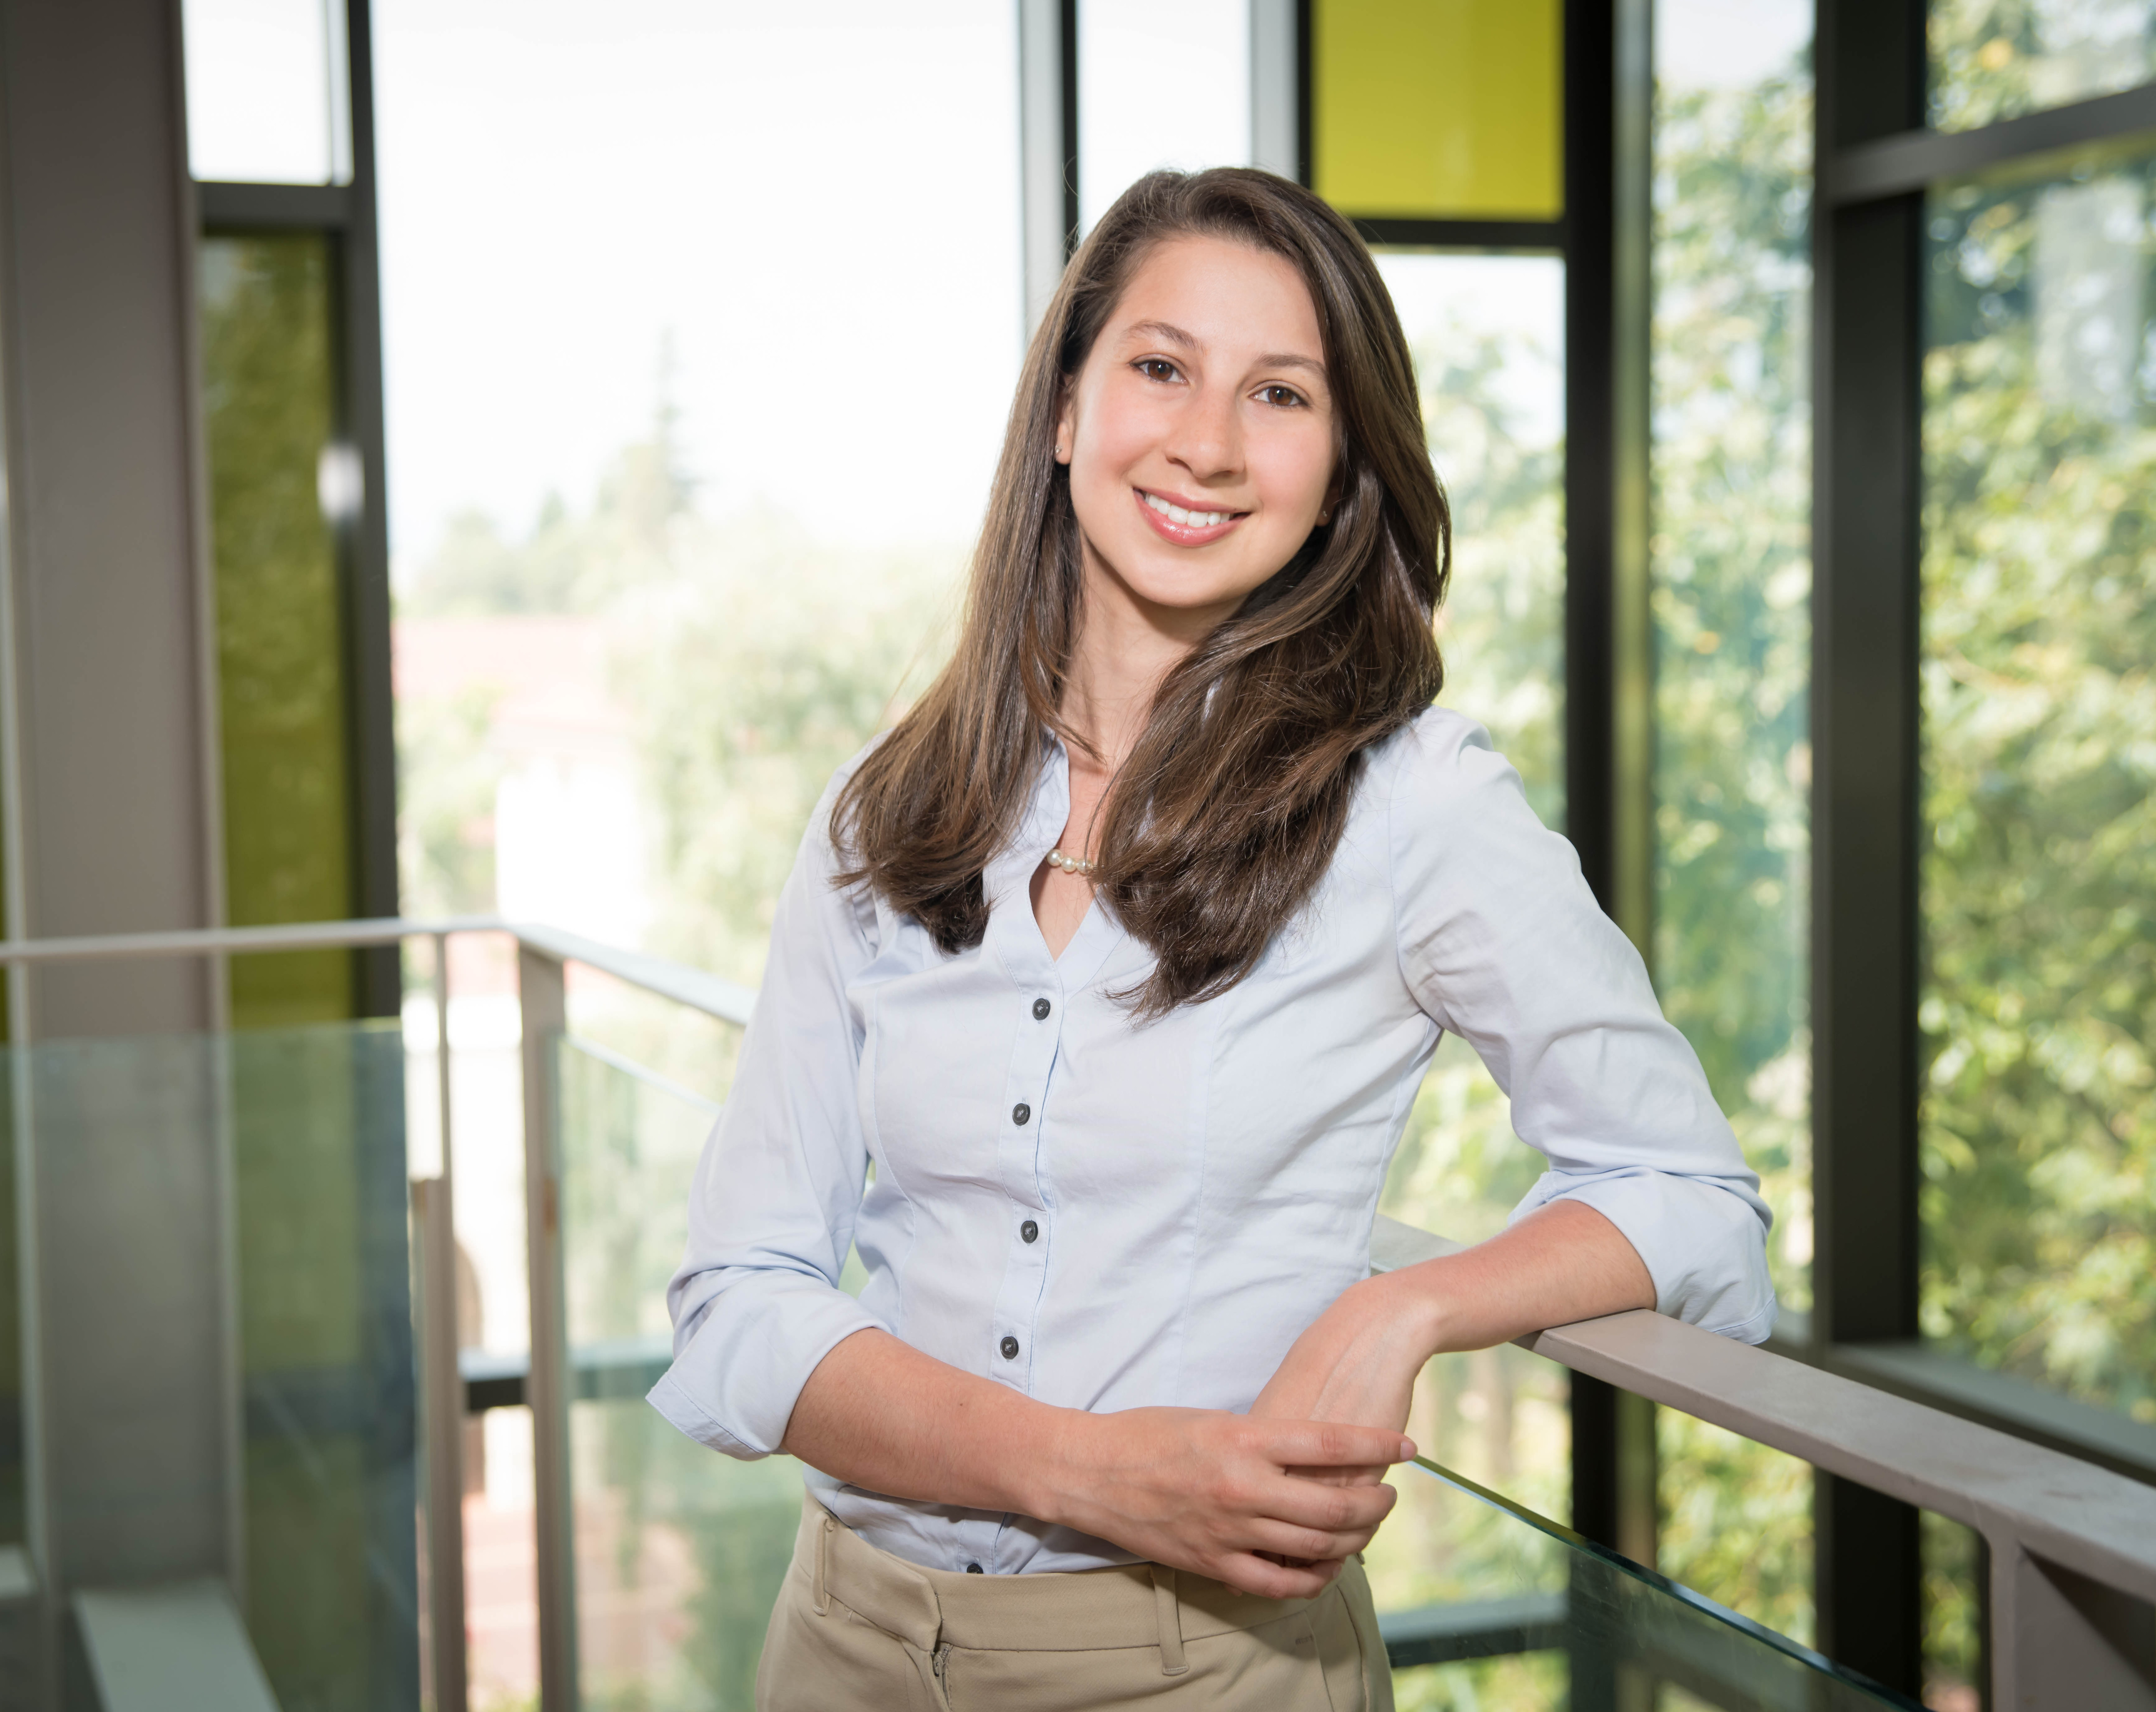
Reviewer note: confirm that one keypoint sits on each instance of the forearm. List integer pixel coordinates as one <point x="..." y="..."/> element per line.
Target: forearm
<point x="1563" y="1262"/>
<point x="879" y="1414"/>
<point x="1358" y="1361"/>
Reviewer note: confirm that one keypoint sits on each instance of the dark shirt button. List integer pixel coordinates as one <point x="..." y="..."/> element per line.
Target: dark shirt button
<point x="1040" y="1011"/>
<point x="974" y="1569"/>
<point x="1010" y="1348"/>
<point x="1029" y="1230"/>
<point x="1020" y="1113"/>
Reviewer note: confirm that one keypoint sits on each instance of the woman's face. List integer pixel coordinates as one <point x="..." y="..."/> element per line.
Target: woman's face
<point x="1199" y="433"/>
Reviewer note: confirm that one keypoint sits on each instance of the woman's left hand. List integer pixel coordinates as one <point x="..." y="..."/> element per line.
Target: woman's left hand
<point x="1357" y="1364"/>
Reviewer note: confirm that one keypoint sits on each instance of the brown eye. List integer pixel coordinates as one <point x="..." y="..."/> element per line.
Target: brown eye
<point x="1156" y="368"/>
<point x="1284" y="396"/>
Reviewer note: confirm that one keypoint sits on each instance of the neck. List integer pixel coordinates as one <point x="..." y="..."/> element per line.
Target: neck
<point x="1125" y="646"/>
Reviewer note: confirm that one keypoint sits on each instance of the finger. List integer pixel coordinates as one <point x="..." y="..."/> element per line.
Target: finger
<point x="1330" y="1444"/>
<point x="1327" y="1508"/>
<point x="1349" y="1474"/>
<point x="1253" y="1574"/>
<point x="1304" y="1545"/>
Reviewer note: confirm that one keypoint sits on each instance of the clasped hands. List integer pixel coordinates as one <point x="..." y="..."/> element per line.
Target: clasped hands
<point x="1274" y="1501"/>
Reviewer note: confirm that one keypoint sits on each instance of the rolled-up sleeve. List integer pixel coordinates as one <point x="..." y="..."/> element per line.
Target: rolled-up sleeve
<point x="757" y="1304"/>
<point x="1503" y="944"/>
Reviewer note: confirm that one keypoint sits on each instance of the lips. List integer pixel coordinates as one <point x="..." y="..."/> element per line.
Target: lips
<point x="1154" y="508"/>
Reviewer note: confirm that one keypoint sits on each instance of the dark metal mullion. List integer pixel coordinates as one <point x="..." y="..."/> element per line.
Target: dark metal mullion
<point x="1067" y="69"/>
<point x="1866" y="348"/>
<point x="1613" y="1480"/>
<point x="1305" y="167"/>
<point x="372" y="701"/>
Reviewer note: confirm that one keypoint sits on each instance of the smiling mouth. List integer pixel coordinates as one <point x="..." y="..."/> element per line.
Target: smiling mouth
<point x="1189" y="519"/>
<point x="1185" y="525"/>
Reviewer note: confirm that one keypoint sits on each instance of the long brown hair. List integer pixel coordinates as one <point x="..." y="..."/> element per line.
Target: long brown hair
<point x="1226" y="813"/>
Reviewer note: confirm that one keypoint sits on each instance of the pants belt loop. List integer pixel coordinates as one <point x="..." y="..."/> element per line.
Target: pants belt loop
<point x="1169" y="1612"/>
<point x="819" y="1581"/>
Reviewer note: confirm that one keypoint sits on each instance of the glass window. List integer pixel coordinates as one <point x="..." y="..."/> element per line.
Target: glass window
<point x="1437" y="109"/>
<point x="268" y="95"/>
<point x="1161" y="83"/>
<point x="1991" y="59"/>
<point x="701" y="324"/>
<point x="1731" y="557"/>
<point x="277" y="474"/>
<point x="1730" y="586"/>
<point x="1488" y="337"/>
<point x="2038" y="1120"/>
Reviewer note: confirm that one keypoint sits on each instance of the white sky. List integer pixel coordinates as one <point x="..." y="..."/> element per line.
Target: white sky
<point x="815" y="210"/>
<point x="1727" y="44"/>
<point x="1161" y="83"/>
<point x="820" y="215"/>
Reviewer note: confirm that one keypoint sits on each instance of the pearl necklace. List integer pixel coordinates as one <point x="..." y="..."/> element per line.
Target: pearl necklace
<point x="1073" y="865"/>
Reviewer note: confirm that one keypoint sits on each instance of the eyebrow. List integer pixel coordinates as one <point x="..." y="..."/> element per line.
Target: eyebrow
<point x="1169" y="333"/>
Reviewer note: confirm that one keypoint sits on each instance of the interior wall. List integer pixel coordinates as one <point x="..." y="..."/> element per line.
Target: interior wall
<point x="96" y="311"/>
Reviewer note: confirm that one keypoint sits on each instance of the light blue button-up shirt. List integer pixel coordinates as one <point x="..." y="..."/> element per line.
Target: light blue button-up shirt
<point x="1200" y="1187"/>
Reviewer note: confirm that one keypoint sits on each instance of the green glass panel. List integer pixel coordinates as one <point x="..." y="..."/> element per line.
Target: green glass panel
<point x="1992" y="59"/>
<point x="679" y="1552"/>
<point x="198" y="1192"/>
<point x="1518" y="1612"/>
<point x="11" y="1328"/>
<point x="270" y="401"/>
<point x="2037" y="1122"/>
<point x="1439" y="109"/>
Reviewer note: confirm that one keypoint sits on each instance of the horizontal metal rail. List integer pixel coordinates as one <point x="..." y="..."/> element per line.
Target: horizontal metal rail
<point x="726" y="1001"/>
<point x="2055" y="1635"/>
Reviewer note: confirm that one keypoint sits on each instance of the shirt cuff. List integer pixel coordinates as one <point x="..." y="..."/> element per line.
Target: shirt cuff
<point x="1703" y="1246"/>
<point x="734" y="1385"/>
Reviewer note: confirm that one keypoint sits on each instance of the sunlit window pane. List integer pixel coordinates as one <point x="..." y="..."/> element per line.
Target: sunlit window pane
<point x="1161" y="83"/>
<point x="267" y="91"/>
<point x="1731" y="564"/>
<point x="1488" y="337"/>
<point x="2038" y="869"/>
<point x="1993" y="58"/>
<point x="693" y="415"/>
<point x="1730" y="570"/>
<point x="1434" y="109"/>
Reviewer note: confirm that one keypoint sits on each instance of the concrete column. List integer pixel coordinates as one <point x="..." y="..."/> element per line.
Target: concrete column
<point x="113" y="692"/>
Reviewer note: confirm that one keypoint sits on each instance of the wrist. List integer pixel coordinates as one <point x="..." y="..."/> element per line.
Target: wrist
<point x="1417" y="1307"/>
<point x="1053" y="1454"/>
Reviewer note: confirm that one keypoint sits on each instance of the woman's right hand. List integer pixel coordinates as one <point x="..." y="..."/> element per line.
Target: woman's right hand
<point x="1202" y="1489"/>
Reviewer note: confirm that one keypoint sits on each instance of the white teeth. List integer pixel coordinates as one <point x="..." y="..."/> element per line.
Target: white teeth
<point x="1177" y="514"/>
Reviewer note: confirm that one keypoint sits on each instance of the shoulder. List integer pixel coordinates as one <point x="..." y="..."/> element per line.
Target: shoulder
<point x="1455" y="809"/>
<point x="1439" y="757"/>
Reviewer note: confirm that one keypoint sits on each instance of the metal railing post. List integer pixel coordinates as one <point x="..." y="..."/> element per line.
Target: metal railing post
<point x="442" y="1387"/>
<point x="543" y="1004"/>
<point x="2064" y="1643"/>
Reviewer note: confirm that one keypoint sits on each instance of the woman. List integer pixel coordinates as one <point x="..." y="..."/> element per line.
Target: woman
<point x="1120" y="959"/>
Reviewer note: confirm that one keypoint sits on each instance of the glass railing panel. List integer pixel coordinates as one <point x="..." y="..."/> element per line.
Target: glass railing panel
<point x="226" y="1334"/>
<point x="679" y="1552"/>
<point x="1514" y="1614"/>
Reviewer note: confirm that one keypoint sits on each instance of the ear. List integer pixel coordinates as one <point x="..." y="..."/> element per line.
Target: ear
<point x="1066" y="424"/>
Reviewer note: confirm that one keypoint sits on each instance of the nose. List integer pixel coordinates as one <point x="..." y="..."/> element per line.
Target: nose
<point x="1207" y="440"/>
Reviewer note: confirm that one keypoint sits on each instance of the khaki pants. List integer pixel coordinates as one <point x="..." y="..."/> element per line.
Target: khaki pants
<point x="857" y="1630"/>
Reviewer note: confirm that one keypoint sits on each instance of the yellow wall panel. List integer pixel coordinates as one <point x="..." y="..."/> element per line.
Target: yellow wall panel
<point x="1439" y="109"/>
